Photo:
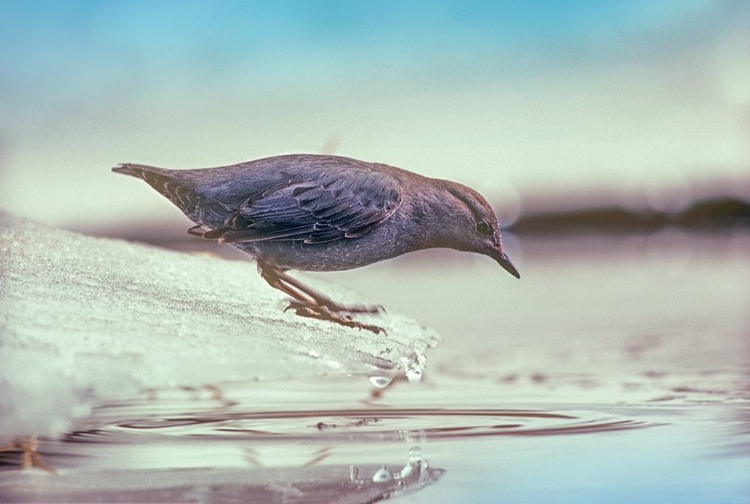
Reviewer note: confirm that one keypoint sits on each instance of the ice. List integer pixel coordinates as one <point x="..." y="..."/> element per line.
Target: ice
<point x="414" y="364"/>
<point x="85" y="320"/>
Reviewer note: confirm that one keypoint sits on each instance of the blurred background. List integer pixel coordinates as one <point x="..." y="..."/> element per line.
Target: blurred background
<point x="546" y="107"/>
<point x="612" y="138"/>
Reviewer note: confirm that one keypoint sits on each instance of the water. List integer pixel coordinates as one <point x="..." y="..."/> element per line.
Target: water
<point x="616" y="370"/>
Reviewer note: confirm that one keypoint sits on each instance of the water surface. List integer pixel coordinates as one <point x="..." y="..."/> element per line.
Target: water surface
<point x="616" y="370"/>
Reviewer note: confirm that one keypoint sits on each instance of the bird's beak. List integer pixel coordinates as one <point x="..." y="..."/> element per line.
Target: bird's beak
<point x="503" y="261"/>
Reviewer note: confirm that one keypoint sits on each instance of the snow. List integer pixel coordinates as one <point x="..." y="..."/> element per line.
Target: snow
<point x="85" y="320"/>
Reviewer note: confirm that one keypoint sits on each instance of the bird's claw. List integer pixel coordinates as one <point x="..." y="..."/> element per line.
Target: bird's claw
<point x="324" y="313"/>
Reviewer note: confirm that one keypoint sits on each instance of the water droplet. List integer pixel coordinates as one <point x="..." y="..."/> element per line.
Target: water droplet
<point x="353" y="473"/>
<point x="415" y="463"/>
<point x="381" y="381"/>
<point x="415" y="456"/>
<point x="382" y="475"/>
<point x="406" y="471"/>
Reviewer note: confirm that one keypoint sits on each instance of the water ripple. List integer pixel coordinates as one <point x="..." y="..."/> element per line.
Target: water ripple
<point x="368" y="424"/>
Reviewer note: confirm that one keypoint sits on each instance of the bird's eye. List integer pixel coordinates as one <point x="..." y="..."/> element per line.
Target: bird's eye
<point x="483" y="228"/>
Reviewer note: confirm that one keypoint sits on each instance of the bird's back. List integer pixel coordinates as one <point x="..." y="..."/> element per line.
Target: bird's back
<point x="208" y="196"/>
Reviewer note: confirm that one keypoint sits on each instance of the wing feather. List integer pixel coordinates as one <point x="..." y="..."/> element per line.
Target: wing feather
<point x="336" y="205"/>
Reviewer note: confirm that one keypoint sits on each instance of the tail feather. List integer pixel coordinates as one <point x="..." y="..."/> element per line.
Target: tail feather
<point x="179" y="191"/>
<point x="135" y="170"/>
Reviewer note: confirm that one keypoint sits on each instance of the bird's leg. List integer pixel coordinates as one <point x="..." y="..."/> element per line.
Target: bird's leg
<point x="275" y="278"/>
<point x="307" y="303"/>
<point x="323" y="300"/>
<point x="305" y="294"/>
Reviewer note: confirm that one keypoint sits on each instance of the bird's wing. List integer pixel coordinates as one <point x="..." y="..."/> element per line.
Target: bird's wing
<point x="339" y="205"/>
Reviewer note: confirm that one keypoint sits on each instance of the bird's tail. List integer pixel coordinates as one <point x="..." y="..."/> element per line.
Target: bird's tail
<point x="161" y="180"/>
<point x="179" y="190"/>
<point x="135" y="170"/>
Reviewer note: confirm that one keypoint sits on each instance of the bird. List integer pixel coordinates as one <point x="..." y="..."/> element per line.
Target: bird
<point x="311" y="212"/>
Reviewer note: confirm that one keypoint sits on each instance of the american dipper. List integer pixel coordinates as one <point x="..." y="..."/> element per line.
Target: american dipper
<point x="326" y="213"/>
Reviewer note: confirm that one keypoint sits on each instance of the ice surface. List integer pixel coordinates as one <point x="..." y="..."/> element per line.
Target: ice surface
<point x="84" y="320"/>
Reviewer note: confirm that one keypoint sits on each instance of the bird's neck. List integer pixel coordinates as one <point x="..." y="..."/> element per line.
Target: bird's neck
<point x="429" y="220"/>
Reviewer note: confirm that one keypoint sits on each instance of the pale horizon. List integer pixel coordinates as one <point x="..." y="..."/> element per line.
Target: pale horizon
<point x="517" y="101"/>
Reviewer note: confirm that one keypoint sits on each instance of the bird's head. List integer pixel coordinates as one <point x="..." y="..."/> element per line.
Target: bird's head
<point x="473" y="225"/>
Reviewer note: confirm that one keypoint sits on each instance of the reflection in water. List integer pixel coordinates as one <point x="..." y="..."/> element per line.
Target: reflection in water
<point x="254" y="456"/>
<point x="615" y="367"/>
<point x="347" y="484"/>
<point x="147" y="449"/>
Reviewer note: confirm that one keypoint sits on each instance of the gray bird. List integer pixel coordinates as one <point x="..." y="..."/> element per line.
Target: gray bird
<point x="326" y="213"/>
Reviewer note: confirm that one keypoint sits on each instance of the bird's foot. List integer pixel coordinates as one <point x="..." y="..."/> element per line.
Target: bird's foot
<point x="325" y="313"/>
<point x="30" y="456"/>
<point x="307" y="296"/>
<point x="332" y="306"/>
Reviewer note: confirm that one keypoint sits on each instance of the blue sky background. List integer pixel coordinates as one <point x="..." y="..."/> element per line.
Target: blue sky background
<point x="519" y="99"/>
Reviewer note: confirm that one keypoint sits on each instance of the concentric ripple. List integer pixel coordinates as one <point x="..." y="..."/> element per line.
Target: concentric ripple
<point x="370" y="424"/>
